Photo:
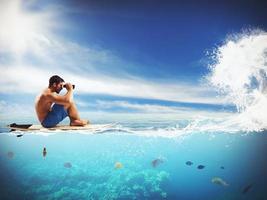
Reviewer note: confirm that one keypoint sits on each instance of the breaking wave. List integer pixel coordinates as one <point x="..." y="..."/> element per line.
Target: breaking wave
<point x="238" y="70"/>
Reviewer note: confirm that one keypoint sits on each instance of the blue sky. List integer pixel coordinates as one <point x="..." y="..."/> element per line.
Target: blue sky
<point x="124" y="56"/>
<point x="164" y="38"/>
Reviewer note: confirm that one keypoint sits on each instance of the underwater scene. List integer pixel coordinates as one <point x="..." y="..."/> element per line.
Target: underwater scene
<point x="133" y="161"/>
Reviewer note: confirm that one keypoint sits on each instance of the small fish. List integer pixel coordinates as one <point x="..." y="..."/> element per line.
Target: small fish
<point x="67" y="165"/>
<point x="247" y="188"/>
<point x="222" y="167"/>
<point x="118" y="165"/>
<point x="19" y="135"/>
<point x="200" y="166"/>
<point x="189" y="163"/>
<point x="44" y="152"/>
<point x="156" y="162"/>
<point x="10" y="154"/>
<point x="219" y="181"/>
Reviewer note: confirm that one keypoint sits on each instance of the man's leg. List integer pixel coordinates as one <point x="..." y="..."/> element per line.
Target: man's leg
<point x="75" y="119"/>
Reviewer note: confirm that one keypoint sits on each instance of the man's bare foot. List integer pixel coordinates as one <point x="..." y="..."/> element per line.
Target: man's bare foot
<point x="85" y="121"/>
<point x="80" y="122"/>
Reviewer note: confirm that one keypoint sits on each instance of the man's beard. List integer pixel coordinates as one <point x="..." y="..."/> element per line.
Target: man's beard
<point x="58" y="91"/>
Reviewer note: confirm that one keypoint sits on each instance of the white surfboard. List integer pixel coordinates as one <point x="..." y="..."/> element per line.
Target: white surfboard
<point x="35" y="127"/>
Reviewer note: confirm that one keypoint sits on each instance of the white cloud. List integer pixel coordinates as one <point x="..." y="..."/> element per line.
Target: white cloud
<point x="22" y="31"/>
<point x="9" y="110"/>
<point x="29" y="79"/>
<point x="149" y="112"/>
<point x="38" y="53"/>
<point x="139" y="107"/>
<point x="147" y="108"/>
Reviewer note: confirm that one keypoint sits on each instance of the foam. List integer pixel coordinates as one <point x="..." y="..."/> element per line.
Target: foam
<point x="239" y="72"/>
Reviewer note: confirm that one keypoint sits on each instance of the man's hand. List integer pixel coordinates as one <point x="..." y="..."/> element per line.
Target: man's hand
<point x="68" y="86"/>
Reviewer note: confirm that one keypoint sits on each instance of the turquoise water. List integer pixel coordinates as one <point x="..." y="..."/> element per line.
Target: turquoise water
<point x="83" y="165"/>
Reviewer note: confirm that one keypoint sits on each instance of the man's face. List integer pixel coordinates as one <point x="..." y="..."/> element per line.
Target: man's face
<point x="58" y="87"/>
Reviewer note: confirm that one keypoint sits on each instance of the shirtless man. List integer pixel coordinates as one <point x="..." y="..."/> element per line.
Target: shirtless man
<point x="52" y="108"/>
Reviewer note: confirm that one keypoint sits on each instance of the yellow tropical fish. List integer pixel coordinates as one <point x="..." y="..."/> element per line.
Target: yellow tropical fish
<point x="118" y="165"/>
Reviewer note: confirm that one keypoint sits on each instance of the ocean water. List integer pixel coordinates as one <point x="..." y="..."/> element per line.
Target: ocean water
<point x="133" y="161"/>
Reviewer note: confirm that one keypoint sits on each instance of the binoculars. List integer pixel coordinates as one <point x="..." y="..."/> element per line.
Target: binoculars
<point x="73" y="86"/>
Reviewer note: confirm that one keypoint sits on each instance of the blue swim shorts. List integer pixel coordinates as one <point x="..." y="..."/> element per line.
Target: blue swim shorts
<point x="56" y="115"/>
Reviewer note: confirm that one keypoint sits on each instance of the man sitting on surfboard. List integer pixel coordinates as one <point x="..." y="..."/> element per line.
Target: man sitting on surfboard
<point x="52" y="108"/>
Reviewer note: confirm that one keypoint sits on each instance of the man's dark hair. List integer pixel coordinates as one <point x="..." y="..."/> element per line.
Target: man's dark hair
<point x="55" y="79"/>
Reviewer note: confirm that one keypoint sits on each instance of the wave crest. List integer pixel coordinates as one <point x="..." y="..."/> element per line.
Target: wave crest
<point x="239" y="72"/>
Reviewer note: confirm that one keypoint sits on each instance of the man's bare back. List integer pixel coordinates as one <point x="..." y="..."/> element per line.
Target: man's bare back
<point x="43" y="104"/>
<point x="51" y="108"/>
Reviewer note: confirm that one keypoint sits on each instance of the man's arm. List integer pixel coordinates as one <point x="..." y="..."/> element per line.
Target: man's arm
<point x="63" y="100"/>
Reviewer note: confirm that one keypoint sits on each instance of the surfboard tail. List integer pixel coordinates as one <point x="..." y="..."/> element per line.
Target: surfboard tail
<point x="23" y="126"/>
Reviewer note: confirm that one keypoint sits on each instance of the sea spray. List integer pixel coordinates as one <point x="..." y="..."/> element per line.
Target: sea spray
<point x="239" y="72"/>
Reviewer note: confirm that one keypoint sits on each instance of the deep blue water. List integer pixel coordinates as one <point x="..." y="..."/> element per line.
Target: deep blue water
<point x="91" y="172"/>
